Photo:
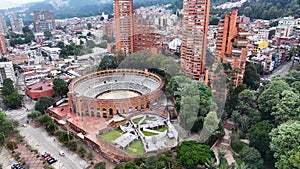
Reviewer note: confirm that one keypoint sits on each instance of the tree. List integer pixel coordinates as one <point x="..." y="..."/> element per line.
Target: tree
<point x="65" y="137"/>
<point x="90" y="156"/>
<point x="90" y="44"/>
<point x="108" y="62"/>
<point x="34" y="115"/>
<point x="190" y="154"/>
<point x="259" y="136"/>
<point x="119" y="166"/>
<point x="51" y="128"/>
<point x="89" y="26"/>
<point x="72" y="145"/>
<point x="101" y="165"/>
<point x="130" y="165"/>
<point x="60" y="87"/>
<point x="251" y="78"/>
<point x="81" y="151"/>
<point x="8" y="87"/>
<point x="288" y="108"/>
<point x="251" y="157"/>
<point x="271" y="96"/>
<point x="13" y="100"/>
<point x="45" y="120"/>
<point x="47" y="34"/>
<point x="285" y="144"/>
<point x="247" y="105"/>
<point x="43" y="103"/>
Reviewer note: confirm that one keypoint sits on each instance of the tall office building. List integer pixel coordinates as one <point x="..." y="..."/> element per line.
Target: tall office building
<point x="231" y="45"/>
<point x="124" y="25"/>
<point x="3" y="27"/>
<point x="3" y="49"/>
<point x="43" y="20"/>
<point x="16" y="24"/>
<point x="194" y="37"/>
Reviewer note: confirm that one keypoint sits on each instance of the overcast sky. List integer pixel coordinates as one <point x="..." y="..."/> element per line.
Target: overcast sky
<point x="14" y="3"/>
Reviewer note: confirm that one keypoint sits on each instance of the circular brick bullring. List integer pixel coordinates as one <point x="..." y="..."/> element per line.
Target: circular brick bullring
<point x="138" y="89"/>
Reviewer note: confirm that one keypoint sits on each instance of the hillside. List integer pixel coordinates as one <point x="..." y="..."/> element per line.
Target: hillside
<point x="270" y="9"/>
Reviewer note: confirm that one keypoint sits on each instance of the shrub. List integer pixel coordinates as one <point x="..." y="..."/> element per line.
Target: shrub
<point x="11" y="145"/>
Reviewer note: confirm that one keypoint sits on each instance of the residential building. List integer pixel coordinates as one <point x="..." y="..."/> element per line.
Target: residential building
<point x="134" y="32"/>
<point x="3" y="49"/>
<point x="19" y="59"/>
<point x="6" y="71"/>
<point x="3" y="27"/>
<point x="43" y="20"/>
<point x="194" y="37"/>
<point x="16" y="24"/>
<point x="231" y="45"/>
<point x="123" y="10"/>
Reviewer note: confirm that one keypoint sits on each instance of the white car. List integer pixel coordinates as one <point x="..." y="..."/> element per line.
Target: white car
<point x="61" y="153"/>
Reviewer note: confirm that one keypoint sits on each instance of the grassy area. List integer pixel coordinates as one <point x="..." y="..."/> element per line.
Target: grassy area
<point x="163" y="129"/>
<point x="137" y="120"/>
<point x="146" y="133"/>
<point x="112" y="135"/>
<point x="135" y="148"/>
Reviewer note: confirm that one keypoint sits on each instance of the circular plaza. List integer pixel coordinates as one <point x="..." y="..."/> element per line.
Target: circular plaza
<point x="114" y="92"/>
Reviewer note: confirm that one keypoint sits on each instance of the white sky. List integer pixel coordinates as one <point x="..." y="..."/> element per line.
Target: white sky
<point x="14" y="3"/>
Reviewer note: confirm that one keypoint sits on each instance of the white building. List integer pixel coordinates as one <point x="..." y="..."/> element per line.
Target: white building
<point x="6" y="71"/>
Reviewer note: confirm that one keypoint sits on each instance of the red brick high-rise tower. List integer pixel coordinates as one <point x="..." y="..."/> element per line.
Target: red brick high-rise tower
<point x="124" y="25"/>
<point x="194" y="37"/>
<point x="231" y="45"/>
<point x="3" y="50"/>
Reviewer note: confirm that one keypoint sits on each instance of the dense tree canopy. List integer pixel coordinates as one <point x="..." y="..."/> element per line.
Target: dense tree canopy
<point x="288" y="108"/>
<point x="286" y="145"/>
<point x="271" y="96"/>
<point x="13" y="100"/>
<point x="251" y="78"/>
<point x="60" y="87"/>
<point x="259" y="136"/>
<point x="8" y="87"/>
<point x="191" y="154"/>
<point x="43" y="103"/>
<point x="251" y="157"/>
<point x="108" y="62"/>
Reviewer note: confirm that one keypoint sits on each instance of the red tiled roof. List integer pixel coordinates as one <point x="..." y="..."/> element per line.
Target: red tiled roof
<point x="39" y="89"/>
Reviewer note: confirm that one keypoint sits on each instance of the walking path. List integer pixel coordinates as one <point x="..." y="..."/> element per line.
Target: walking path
<point x="6" y="159"/>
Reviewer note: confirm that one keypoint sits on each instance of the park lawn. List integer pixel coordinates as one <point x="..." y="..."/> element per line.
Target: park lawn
<point x="163" y="129"/>
<point x="146" y="133"/>
<point x="137" y="120"/>
<point x="112" y="135"/>
<point x="135" y="148"/>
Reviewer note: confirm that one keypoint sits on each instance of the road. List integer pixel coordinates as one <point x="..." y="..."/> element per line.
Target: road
<point x="282" y="70"/>
<point x="39" y="139"/>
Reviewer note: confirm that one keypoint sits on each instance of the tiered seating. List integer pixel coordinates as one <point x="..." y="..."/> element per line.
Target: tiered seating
<point x="97" y="85"/>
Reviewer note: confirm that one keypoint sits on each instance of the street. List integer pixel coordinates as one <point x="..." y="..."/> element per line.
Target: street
<point x="282" y="70"/>
<point x="40" y="140"/>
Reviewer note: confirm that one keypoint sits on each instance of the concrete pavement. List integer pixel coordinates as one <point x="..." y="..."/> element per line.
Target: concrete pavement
<point x="40" y="140"/>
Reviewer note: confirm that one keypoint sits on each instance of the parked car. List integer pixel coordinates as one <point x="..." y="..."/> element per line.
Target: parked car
<point x="17" y="166"/>
<point x="51" y="160"/>
<point x="45" y="155"/>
